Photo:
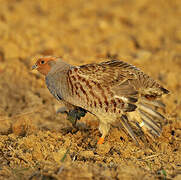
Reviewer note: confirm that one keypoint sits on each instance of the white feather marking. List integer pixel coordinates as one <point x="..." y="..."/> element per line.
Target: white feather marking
<point x="142" y="124"/>
<point x="122" y="98"/>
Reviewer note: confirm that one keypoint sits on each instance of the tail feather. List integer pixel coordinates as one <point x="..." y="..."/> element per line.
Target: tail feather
<point x="150" y="111"/>
<point x="150" y="124"/>
<point x="128" y="127"/>
<point x="150" y="116"/>
<point x="155" y="103"/>
<point x="146" y="115"/>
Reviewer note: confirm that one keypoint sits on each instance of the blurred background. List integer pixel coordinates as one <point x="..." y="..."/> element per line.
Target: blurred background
<point x="145" y="33"/>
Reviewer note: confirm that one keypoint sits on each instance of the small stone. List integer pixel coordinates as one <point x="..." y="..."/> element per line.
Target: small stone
<point x="86" y="154"/>
<point x="23" y="127"/>
<point x="103" y="149"/>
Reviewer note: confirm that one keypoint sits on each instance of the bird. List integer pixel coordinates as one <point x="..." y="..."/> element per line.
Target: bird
<point x="112" y="90"/>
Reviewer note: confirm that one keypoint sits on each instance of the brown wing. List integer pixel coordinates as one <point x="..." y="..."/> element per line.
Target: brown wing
<point x="122" y="78"/>
<point x="107" y="72"/>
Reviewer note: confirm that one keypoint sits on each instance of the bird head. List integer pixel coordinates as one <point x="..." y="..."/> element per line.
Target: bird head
<point x="44" y="64"/>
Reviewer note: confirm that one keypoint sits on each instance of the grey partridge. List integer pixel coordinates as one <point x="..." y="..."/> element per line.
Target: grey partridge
<point x="112" y="91"/>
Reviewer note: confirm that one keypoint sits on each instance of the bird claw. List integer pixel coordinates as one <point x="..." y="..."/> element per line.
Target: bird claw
<point x="101" y="140"/>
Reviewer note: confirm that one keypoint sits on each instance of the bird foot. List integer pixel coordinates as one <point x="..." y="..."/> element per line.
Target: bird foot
<point x="101" y="140"/>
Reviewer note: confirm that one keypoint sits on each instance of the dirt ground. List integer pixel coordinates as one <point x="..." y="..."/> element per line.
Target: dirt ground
<point x="35" y="142"/>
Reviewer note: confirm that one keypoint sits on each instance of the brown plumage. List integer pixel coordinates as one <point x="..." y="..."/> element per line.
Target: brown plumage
<point x="112" y="91"/>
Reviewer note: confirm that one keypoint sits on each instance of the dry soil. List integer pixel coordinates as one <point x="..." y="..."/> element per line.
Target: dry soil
<point x="35" y="142"/>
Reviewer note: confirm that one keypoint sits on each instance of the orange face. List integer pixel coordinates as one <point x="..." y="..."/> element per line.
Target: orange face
<point x="43" y="65"/>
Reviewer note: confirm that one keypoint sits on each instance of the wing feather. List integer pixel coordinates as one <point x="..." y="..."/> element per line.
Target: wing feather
<point x="123" y="78"/>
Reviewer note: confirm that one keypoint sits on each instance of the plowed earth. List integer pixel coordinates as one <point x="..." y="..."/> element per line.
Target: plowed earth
<point x="35" y="142"/>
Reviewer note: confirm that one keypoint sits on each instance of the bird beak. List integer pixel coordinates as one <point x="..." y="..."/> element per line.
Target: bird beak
<point x="34" y="66"/>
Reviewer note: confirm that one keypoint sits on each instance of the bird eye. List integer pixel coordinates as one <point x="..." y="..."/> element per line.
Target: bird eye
<point x="42" y="62"/>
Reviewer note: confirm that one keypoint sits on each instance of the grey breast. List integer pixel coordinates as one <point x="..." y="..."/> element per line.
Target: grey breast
<point x="52" y="86"/>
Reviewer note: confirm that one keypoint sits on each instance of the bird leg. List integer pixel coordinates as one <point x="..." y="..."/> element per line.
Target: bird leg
<point x="104" y="129"/>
